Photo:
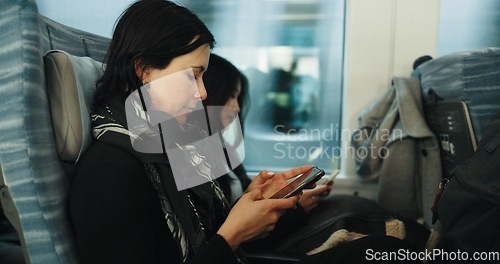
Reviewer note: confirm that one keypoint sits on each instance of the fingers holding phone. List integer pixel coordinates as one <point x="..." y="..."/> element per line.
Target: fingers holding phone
<point x="253" y="216"/>
<point x="331" y="179"/>
<point x="269" y="183"/>
<point x="289" y="174"/>
<point x="310" y="199"/>
<point x="262" y="182"/>
<point x="302" y="181"/>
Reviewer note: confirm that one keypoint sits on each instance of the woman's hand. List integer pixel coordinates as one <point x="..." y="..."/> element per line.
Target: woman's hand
<point x="270" y="183"/>
<point x="311" y="198"/>
<point x="252" y="216"/>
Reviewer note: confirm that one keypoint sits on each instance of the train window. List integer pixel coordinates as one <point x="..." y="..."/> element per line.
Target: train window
<point x="292" y="53"/>
<point x="92" y="16"/>
<point x="467" y="25"/>
<point x="290" y="50"/>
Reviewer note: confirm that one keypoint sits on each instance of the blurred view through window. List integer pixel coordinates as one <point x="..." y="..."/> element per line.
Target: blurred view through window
<point x="292" y="53"/>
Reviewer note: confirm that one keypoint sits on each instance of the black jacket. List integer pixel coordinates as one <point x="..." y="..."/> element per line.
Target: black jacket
<point x="117" y="217"/>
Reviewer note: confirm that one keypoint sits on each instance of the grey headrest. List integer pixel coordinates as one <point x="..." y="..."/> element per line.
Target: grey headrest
<point x="71" y="83"/>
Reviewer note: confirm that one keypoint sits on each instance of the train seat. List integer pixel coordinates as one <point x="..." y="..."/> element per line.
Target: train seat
<point x="34" y="184"/>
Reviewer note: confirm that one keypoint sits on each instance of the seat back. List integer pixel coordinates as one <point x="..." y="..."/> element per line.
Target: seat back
<point x="35" y="186"/>
<point x="71" y="83"/>
<point x="472" y="76"/>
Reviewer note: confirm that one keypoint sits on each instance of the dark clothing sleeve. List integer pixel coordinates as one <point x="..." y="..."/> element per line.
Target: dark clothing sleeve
<point x="117" y="217"/>
<point x="216" y="251"/>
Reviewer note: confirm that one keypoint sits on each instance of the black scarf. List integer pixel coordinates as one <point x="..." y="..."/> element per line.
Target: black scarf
<point x="204" y="206"/>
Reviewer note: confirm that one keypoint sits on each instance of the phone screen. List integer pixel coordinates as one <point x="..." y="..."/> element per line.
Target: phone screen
<point x="299" y="183"/>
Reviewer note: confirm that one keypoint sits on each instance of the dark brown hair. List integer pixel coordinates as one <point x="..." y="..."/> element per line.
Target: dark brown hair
<point x="148" y="33"/>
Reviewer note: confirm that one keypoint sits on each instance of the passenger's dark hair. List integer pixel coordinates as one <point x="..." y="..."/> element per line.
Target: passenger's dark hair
<point x="221" y="80"/>
<point x="148" y="33"/>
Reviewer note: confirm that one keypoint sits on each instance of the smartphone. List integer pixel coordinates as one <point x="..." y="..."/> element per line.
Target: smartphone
<point x="331" y="178"/>
<point x="300" y="182"/>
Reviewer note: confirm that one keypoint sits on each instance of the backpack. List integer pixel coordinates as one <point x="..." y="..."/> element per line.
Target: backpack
<point x="469" y="207"/>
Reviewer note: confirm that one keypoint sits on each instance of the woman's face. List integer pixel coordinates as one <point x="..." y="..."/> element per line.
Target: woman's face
<point x="178" y="88"/>
<point x="231" y="108"/>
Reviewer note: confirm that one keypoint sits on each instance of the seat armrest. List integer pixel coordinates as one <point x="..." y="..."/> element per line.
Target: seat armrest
<point x="11" y="213"/>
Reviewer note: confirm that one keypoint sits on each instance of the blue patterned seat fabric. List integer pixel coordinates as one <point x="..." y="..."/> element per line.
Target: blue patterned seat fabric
<point x="32" y="172"/>
<point x="472" y="76"/>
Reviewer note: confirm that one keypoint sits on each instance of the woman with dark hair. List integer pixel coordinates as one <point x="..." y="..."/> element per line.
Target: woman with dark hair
<point x="227" y="87"/>
<point x="124" y="204"/>
<point x="227" y="84"/>
<point x="127" y="202"/>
